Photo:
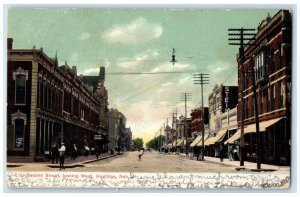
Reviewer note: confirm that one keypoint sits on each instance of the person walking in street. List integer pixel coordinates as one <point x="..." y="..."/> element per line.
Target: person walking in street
<point x="54" y="153"/>
<point x="97" y="151"/>
<point x="141" y="152"/>
<point x="62" y="151"/>
<point x="74" y="152"/>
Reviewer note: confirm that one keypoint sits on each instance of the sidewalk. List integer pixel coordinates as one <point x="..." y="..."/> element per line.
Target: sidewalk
<point x="78" y="162"/>
<point x="248" y="166"/>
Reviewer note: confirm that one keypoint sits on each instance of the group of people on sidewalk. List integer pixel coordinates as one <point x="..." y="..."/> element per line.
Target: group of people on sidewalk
<point x="59" y="153"/>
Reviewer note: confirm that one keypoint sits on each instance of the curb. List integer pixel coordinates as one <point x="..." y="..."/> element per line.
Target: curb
<point x="74" y="165"/>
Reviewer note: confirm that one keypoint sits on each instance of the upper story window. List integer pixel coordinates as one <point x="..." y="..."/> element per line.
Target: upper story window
<point x="261" y="65"/>
<point x="20" y="77"/>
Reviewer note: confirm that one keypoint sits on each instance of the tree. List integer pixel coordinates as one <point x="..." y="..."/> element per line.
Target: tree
<point x="138" y="143"/>
<point x="155" y="143"/>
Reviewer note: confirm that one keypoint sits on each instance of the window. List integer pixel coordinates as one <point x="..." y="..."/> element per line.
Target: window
<point x="20" y="89"/>
<point x="253" y="106"/>
<point x="272" y="62"/>
<point x="267" y="99"/>
<point x="280" y="89"/>
<point x="18" y="120"/>
<point x="272" y="91"/>
<point x="19" y="134"/>
<point x="261" y="66"/>
<point x="261" y="103"/>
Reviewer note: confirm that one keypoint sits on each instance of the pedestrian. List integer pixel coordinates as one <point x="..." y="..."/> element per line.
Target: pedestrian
<point x="141" y="152"/>
<point x="74" y="152"/>
<point x="221" y="154"/>
<point x="230" y="153"/>
<point x="54" y="153"/>
<point x="86" y="150"/>
<point x="62" y="151"/>
<point x="235" y="155"/>
<point x="97" y="151"/>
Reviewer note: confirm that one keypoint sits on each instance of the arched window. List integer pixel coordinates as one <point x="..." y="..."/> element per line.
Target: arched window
<point x="20" y="76"/>
<point x="19" y="121"/>
<point x="20" y="89"/>
<point x="19" y="134"/>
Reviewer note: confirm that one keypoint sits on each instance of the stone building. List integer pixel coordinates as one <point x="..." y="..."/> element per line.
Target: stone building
<point x="46" y="104"/>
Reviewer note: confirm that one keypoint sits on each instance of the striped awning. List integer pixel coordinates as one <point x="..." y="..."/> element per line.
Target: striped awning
<point x="200" y="142"/>
<point x="252" y="129"/>
<point x="196" y="141"/>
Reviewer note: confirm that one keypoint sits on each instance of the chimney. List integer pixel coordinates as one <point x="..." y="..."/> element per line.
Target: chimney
<point x="102" y="73"/>
<point x="75" y="70"/>
<point x="9" y="43"/>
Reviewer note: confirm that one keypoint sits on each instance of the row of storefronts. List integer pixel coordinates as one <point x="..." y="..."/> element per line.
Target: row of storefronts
<point x="49" y="104"/>
<point x="269" y="54"/>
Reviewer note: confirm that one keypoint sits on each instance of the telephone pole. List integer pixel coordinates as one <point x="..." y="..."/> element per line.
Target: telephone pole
<point x="175" y="111"/>
<point x="185" y="97"/>
<point x="242" y="36"/>
<point x="202" y="79"/>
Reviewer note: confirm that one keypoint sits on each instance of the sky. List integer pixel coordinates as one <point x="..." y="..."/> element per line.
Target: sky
<point x="140" y="40"/>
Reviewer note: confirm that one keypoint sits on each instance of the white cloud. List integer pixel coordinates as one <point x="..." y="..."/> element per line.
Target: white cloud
<point x="138" y="60"/>
<point x="85" y="36"/>
<point x="218" y="67"/>
<point x="133" y="63"/>
<point x="168" y="67"/>
<point x="164" y="103"/>
<point x="95" y="70"/>
<point x="138" y="31"/>
<point x="185" y="80"/>
<point x="167" y="84"/>
<point x="91" y="71"/>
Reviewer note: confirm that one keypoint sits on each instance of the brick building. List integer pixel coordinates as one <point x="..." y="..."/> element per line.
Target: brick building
<point x="270" y="56"/>
<point x="46" y="104"/>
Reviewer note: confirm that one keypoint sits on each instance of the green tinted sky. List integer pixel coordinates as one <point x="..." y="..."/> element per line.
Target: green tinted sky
<point x="139" y="40"/>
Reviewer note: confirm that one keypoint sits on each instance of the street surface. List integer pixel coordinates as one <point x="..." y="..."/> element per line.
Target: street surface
<point x="128" y="162"/>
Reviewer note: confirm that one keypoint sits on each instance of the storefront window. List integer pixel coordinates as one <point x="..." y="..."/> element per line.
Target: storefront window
<point x="19" y="134"/>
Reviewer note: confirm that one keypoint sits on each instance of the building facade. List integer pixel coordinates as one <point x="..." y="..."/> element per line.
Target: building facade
<point x="221" y="99"/>
<point x="197" y="124"/>
<point x="46" y="104"/>
<point x="270" y="56"/>
<point x="117" y="130"/>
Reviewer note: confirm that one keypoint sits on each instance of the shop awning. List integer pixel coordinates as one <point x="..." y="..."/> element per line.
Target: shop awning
<point x="200" y="142"/>
<point x="175" y="143"/>
<point x="182" y="142"/>
<point x="217" y="138"/>
<point x="252" y="129"/>
<point x="196" y="141"/>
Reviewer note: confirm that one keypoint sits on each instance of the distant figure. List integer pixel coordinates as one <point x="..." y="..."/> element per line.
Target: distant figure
<point x="230" y="154"/>
<point x="74" y="152"/>
<point x="97" y="151"/>
<point x="86" y="150"/>
<point x="141" y="152"/>
<point x="62" y="151"/>
<point x="235" y="155"/>
<point x="54" y="153"/>
<point x="221" y="154"/>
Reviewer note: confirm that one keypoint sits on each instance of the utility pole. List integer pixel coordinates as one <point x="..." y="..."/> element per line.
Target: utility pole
<point x="242" y="37"/>
<point x="202" y="79"/>
<point x="175" y="111"/>
<point x="186" y="97"/>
